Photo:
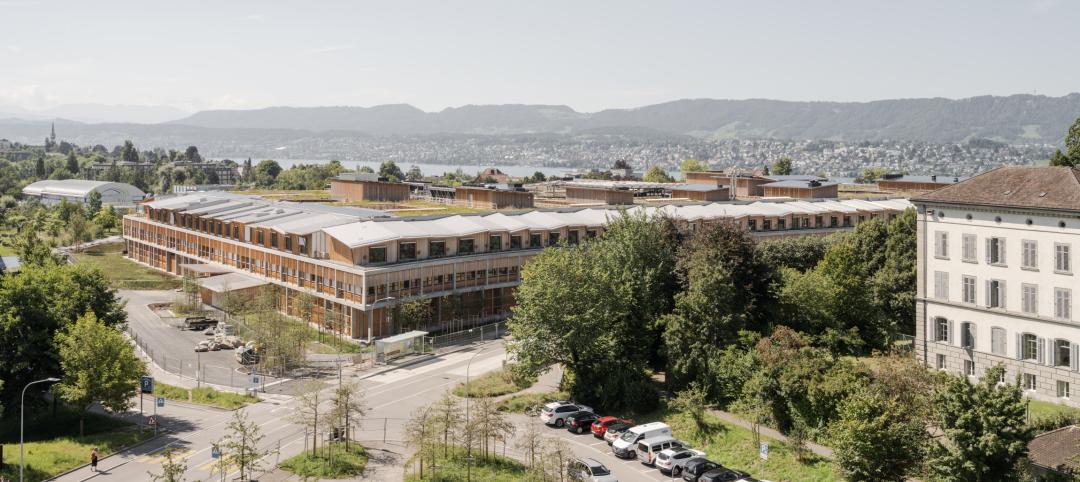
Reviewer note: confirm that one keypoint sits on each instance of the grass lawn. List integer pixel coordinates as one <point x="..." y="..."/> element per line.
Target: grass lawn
<point x="124" y="273"/>
<point x="1041" y="409"/>
<point x="518" y="403"/>
<point x="733" y="447"/>
<point x="453" y="468"/>
<point x="53" y="445"/>
<point x="492" y="384"/>
<point x="204" y="396"/>
<point x="322" y="466"/>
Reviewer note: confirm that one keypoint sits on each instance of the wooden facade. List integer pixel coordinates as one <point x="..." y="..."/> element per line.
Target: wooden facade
<point x="720" y="193"/>
<point x="485" y="198"/>
<point x="615" y="197"/>
<point x="824" y="191"/>
<point x="364" y="190"/>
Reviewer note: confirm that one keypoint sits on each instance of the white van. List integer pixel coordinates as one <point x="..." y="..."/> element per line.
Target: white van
<point x="649" y="448"/>
<point x="626" y="445"/>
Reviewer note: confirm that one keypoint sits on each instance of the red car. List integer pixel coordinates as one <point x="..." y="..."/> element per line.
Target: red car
<point x="600" y="426"/>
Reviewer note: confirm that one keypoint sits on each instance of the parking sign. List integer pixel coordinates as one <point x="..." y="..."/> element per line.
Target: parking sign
<point x="146" y="384"/>
<point x="215" y="452"/>
<point x="764" y="451"/>
<point x="160" y="401"/>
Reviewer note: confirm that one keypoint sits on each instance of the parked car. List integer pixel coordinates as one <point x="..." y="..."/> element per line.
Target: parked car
<point x="580" y="421"/>
<point x="600" y="426"/>
<point x="693" y="468"/>
<point x="671" y="461"/>
<point x="555" y="413"/>
<point x="614" y="431"/>
<point x="589" y="470"/>
<point x="626" y="445"/>
<point x="722" y="475"/>
<point x="649" y="448"/>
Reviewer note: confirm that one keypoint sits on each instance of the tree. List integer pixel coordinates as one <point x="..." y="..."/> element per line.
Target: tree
<point x="99" y="366"/>
<point x="870" y="175"/>
<point x="691" y="401"/>
<point x="414" y="174"/>
<point x="692" y="165"/>
<point x="621" y="164"/>
<point x="893" y="285"/>
<point x="308" y="412"/>
<point x="35" y="304"/>
<point x="593" y="306"/>
<point x="876" y="438"/>
<point x="128" y="152"/>
<point x="491" y="425"/>
<point x="1072" y="143"/>
<point x="782" y="166"/>
<point x="93" y="203"/>
<point x="240" y="448"/>
<point x="1060" y="159"/>
<point x="391" y="171"/>
<point x="765" y="170"/>
<point x="985" y="427"/>
<point x="656" y="174"/>
<point x="797" y="252"/>
<point x="79" y="229"/>
<point x="414" y="314"/>
<point x="73" y="163"/>
<point x="107" y="218"/>
<point x="448" y="419"/>
<point x="367" y="170"/>
<point x="39" y="166"/>
<point x="191" y="154"/>
<point x="348" y="407"/>
<point x="171" y="471"/>
<point x="266" y="172"/>
<point x="420" y="433"/>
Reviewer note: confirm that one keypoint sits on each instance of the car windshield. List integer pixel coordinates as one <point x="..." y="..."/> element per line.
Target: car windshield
<point x="629" y="436"/>
<point x="600" y="470"/>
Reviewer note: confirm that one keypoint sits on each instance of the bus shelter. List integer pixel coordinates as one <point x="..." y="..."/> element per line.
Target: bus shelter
<point x="397" y="346"/>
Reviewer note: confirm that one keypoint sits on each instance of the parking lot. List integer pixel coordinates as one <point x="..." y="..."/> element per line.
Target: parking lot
<point x="587" y="446"/>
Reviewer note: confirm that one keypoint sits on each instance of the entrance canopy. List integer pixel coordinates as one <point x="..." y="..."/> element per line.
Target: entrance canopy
<point x="395" y="346"/>
<point x="205" y="269"/>
<point x="230" y="282"/>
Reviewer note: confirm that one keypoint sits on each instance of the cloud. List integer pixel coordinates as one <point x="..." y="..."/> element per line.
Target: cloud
<point x="28" y="96"/>
<point x="12" y="48"/>
<point x="255" y="17"/>
<point x="329" y="49"/>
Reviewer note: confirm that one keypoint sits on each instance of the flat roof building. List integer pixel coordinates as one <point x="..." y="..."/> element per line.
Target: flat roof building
<point x="354" y="187"/>
<point x="606" y="195"/>
<point x="700" y="192"/>
<point x="811" y="189"/>
<point x="493" y="197"/>
<point x="78" y="191"/>
<point x="902" y="182"/>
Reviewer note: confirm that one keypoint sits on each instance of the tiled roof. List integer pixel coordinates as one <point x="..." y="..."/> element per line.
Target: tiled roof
<point x="1042" y="187"/>
<point x="1055" y="449"/>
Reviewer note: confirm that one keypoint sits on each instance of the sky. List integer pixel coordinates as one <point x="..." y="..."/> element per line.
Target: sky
<point x="590" y="55"/>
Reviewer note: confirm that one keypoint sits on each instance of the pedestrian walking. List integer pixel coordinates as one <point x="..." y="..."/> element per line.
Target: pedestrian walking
<point x="93" y="460"/>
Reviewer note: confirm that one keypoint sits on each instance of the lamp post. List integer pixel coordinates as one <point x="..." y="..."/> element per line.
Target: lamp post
<point x="22" y="413"/>
<point x="468" y="395"/>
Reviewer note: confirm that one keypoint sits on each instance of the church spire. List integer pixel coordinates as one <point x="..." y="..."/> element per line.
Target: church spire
<point x="52" y="134"/>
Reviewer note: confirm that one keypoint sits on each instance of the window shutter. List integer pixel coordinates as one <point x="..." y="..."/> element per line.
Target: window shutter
<point x="1001" y="251"/>
<point x="949" y="333"/>
<point x="1040" y="349"/>
<point x="986" y="292"/>
<point x="931" y="329"/>
<point x="1001" y="295"/>
<point x="1073" y="362"/>
<point x="1019" y="353"/>
<point x="1051" y="355"/>
<point x="971" y="329"/>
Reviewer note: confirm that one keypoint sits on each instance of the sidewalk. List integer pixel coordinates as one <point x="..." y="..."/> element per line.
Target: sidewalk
<point x="733" y="419"/>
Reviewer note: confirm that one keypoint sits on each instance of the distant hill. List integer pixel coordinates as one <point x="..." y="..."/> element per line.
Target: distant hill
<point x="1012" y="119"/>
<point x="98" y="113"/>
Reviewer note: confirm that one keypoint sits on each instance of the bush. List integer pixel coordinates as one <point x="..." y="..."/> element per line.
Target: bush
<point x="519" y="403"/>
<point x="331" y="461"/>
<point x="493" y="384"/>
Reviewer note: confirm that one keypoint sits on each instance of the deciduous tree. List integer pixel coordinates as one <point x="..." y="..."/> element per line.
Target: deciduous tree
<point x="240" y="449"/>
<point x="876" y="438"/>
<point x="782" y="166"/>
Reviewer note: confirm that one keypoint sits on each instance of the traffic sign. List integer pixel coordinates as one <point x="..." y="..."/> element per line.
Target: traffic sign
<point x="146" y="384"/>
<point x="161" y="401"/>
<point x="255" y="380"/>
<point x="152" y="421"/>
<point x="215" y="452"/>
<point x="763" y="452"/>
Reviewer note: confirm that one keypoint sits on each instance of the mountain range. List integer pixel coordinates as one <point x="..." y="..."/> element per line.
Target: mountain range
<point x="1017" y="119"/>
<point x="1013" y="119"/>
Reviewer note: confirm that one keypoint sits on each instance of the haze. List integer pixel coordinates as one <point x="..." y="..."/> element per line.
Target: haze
<point x="588" y="55"/>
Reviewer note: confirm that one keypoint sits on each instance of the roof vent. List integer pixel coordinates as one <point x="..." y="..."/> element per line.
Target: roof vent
<point x="1042" y="194"/>
<point x="956" y="179"/>
<point x="934" y="177"/>
<point x="1008" y="192"/>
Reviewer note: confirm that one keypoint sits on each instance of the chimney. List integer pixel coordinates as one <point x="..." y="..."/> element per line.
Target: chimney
<point x="956" y="179"/>
<point x="933" y="178"/>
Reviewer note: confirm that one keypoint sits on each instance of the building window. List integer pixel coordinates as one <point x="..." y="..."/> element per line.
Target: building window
<point x="515" y="242"/>
<point x="1030" y="258"/>
<point x="781" y="224"/>
<point x="1029" y="381"/>
<point x="940" y="362"/>
<point x="288" y="243"/>
<point x="572" y="236"/>
<point x="766" y="225"/>
<point x="997" y="341"/>
<point x="1063" y="303"/>
<point x="377" y="255"/>
<point x="406" y="251"/>
<point x="833" y="221"/>
<point x="303" y="245"/>
<point x="1063" y="389"/>
<point x="942" y="329"/>
<point x="1029" y="347"/>
<point x="465" y="246"/>
<point x="969" y="368"/>
<point x="969" y="289"/>
<point x="995" y="293"/>
<point x="553" y="238"/>
<point x="436" y="249"/>
<point x="995" y="251"/>
<point x="590" y="233"/>
<point x="1062" y="261"/>
<point x="967" y="334"/>
<point x="941" y="285"/>
<point x="273" y="239"/>
<point x="847" y="221"/>
<point x="968" y="252"/>
<point x="941" y="244"/>
<point x="752" y="224"/>
<point x="1062" y="353"/>
<point x="1029" y="295"/>
<point x="535" y="241"/>
<point x="495" y="243"/>
<point x="259" y="237"/>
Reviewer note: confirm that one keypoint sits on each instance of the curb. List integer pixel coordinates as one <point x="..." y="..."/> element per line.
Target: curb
<point x="118" y="451"/>
<point x="422" y="358"/>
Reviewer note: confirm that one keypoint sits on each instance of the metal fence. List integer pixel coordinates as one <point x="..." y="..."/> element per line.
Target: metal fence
<point x="480" y="333"/>
<point x="201" y="372"/>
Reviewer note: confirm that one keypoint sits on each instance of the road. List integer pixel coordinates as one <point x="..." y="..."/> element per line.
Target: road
<point x="392" y="394"/>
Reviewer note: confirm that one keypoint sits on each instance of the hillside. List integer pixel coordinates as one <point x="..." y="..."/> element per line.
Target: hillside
<point x="1013" y="119"/>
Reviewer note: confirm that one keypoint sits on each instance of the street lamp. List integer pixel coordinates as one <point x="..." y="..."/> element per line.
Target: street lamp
<point x="468" y="395"/>
<point x="22" y="412"/>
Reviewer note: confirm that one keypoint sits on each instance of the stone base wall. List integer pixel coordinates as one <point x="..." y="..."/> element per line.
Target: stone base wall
<point x="1046" y="377"/>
